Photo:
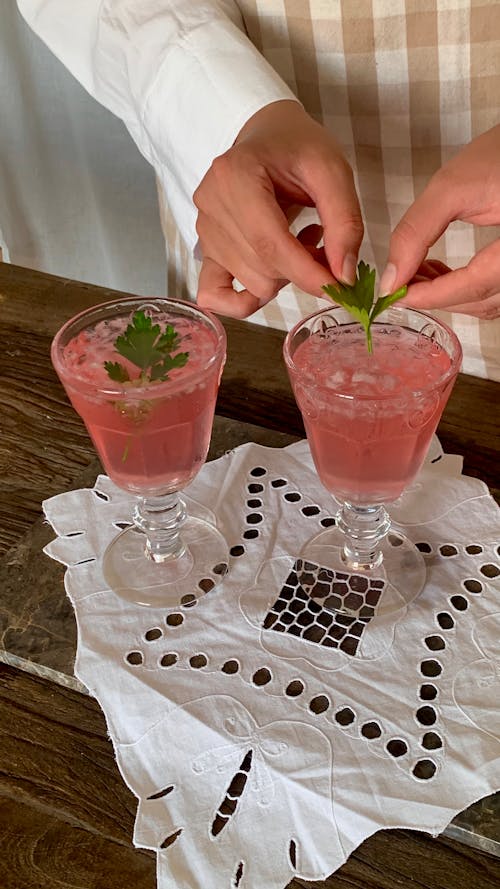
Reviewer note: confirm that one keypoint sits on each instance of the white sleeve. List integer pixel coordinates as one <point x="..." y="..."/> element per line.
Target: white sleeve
<point x="181" y="74"/>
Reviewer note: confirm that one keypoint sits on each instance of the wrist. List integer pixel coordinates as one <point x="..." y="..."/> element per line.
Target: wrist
<point x="282" y="112"/>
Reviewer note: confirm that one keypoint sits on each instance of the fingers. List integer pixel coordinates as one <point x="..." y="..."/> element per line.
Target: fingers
<point x="467" y="187"/>
<point x="230" y="251"/>
<point x="419" y="228"/>
<point x="331" y="187"/>
<point x="486" y="310"/>
<point x="216" y="292"/>
<point x="471" y="290"/>
<point x="254" y="244"/>
<point x="264" y="226"/>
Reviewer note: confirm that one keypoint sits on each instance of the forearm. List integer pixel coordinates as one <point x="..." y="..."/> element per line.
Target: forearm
<point x="182" y="76"/>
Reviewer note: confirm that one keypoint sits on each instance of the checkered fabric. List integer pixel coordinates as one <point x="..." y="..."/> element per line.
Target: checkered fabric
<point x="403" y="84"/>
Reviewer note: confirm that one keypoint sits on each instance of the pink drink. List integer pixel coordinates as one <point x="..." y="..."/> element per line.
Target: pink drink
<point x="152" y="438"/>
<point x="370" y="418"/>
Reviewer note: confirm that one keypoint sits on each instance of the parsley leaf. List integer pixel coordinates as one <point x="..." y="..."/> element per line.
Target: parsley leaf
<point x="358" y="298"/>
<point x="384" y="302"/>
<point x="149" y="348"/>
<point x="169" y="340"/>
<point x="160" y="371"/>
<point x="117" y="371"/>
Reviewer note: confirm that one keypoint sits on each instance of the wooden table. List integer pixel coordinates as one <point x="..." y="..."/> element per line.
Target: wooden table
<point x="66" y="816"/>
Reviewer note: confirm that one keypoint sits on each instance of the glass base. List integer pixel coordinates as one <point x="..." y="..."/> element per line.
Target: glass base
<point x="360" y="592"/>
<point x="178" y="580"/>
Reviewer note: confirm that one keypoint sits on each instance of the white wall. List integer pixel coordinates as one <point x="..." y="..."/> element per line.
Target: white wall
<point x="76" y="197"/>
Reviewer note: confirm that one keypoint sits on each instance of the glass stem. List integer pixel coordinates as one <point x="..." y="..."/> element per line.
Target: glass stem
<point x="364" y="529"/>
<point x="161" y="519"/>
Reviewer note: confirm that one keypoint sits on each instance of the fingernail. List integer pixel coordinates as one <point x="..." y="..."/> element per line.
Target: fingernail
<point x="349" y="268"/>
<point x="387" y="280"/>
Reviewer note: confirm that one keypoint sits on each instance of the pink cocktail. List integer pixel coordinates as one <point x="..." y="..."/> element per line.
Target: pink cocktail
<point x="369" y="419"/>
<point x="151" y="426"/>
<point x="151" y="438"/>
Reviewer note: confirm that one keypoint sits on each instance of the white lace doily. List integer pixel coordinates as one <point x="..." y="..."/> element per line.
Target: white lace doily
<point x="262" y="737"/>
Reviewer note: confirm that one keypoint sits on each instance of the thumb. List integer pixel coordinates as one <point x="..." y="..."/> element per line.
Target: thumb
<point x="420" y="227"/>
<point x="466" y="288"/>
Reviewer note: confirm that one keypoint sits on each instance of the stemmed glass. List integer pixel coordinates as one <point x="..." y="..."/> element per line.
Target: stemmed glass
<point x="369" y="420"/>
<point x="152" y="432"/>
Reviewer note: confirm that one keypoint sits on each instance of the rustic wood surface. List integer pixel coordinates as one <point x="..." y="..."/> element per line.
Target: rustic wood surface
<point x="66" y="816"/>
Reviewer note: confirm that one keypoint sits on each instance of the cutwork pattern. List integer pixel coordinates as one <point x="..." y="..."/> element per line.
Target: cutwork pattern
<point x="299" y="607"/>
<point x="283" y="717"/>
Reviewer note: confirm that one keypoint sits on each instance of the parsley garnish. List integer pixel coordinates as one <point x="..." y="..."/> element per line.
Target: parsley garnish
<point x="145" y="345"/>
<point x="358" y="298"/>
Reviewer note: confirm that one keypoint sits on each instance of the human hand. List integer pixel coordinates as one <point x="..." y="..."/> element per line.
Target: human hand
<point x="465" y="188"/>
<point x="281" y="160"/>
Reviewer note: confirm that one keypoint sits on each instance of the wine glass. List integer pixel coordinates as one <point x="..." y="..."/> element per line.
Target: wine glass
<point x="369" y="420"/>
<point x="151" y="426"/>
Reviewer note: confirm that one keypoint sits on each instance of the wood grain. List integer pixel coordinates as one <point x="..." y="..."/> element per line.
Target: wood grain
<point x="43" y="443"/>
<point x="66" y="816"/>
<point x="42" y="851"/>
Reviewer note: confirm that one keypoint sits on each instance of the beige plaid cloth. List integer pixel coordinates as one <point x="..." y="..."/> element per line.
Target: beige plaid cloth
<point x="403" y="84"/>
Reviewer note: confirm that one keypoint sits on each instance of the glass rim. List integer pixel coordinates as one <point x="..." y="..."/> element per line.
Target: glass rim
<point x="134" y="393"/>
<point x="450" y="373"/>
